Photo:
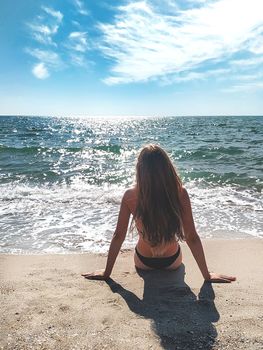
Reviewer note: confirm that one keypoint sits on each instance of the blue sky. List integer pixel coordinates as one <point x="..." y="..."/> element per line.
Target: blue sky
<point x="152" y="57"/>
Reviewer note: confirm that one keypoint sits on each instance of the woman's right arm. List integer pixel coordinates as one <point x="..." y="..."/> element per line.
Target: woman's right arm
<point x="194" y="242"/>
<point x="116" y="242"/>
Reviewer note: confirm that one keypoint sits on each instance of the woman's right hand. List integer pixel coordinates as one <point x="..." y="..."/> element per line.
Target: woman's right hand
<point x="218" y="278"/>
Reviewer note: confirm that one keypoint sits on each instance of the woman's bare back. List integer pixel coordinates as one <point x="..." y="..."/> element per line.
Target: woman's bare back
<point x="163" y="250"/>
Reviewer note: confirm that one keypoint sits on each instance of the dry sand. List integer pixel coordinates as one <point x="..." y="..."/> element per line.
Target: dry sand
<point x="46" y="304"/>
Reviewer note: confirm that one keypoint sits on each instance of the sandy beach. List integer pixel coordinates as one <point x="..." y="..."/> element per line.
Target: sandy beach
<point x="46" y="304"/>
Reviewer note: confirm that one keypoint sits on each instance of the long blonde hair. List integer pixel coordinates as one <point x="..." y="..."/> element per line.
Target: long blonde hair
<point x="158" y="191"/>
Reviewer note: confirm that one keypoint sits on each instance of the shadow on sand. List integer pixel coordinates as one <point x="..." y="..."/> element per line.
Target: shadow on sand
<point x="181" y="319"/>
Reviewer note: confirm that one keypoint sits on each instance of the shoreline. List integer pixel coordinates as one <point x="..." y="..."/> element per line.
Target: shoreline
<point x="45" y="303"/>
<point x="123" y="250"/>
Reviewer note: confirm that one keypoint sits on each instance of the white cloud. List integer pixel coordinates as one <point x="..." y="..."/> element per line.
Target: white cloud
<point x="247" y="87"/>
<point x="44" y="27"/>
<point x="256" y="44"/>
<point x="146" y="44"/>
<point x="47" y="60"/>
<point x="57" y="14"/>
<point x="81" y="7"/>
<point x="78" y="41"/>
<point x="78" y="60"/>
<point x="50" y="58"/>
<point x="76" y="23"/>
<point x="252" y="61"/>
<point x="40" y="71"/>
<point x="53" y="54"/>
<point x="197" y="2"/>
<point x="220" y="73"/>
<point x="77" y="44"/>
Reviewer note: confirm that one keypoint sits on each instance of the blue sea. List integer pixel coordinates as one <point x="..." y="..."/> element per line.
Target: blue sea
<point x="62" y="179"/>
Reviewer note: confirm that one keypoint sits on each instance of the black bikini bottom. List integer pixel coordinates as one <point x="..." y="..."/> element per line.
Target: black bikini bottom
<point x="158" y="263"/>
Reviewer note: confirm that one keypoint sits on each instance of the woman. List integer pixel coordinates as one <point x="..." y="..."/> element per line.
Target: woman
<point x="162" y="214"/>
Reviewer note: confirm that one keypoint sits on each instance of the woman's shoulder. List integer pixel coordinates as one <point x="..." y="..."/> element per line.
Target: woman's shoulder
<point x="183" y="192"/>
<point x="183" y="195"/>
<point x="130" y="194"/>
<point x="129" y="199"/>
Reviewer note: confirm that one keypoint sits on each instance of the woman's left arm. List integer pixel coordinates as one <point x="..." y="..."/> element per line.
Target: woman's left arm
<point x="116" y="242"/>
<point x="194" y="242"/>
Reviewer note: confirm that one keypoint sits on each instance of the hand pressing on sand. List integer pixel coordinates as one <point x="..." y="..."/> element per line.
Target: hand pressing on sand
<point x="96" y="275"/>
<point x="218" y="278"/>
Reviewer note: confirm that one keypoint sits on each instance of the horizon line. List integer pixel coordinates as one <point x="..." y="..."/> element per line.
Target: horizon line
<point x="130" y="115"/>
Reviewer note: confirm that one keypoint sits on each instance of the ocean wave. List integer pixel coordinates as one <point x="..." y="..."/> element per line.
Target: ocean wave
<point x="116" y="149"/>
<point x="82" y="217"/>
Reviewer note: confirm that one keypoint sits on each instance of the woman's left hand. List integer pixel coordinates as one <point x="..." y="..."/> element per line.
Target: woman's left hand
<point x="219" y="278"/>
<point x="96" y="275"/>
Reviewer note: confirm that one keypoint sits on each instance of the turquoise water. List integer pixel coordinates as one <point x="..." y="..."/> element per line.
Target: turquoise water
<point x="62" y="179"/>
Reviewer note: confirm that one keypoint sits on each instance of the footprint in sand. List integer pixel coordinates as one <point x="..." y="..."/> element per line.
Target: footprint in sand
<point x="64" y="308"/>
